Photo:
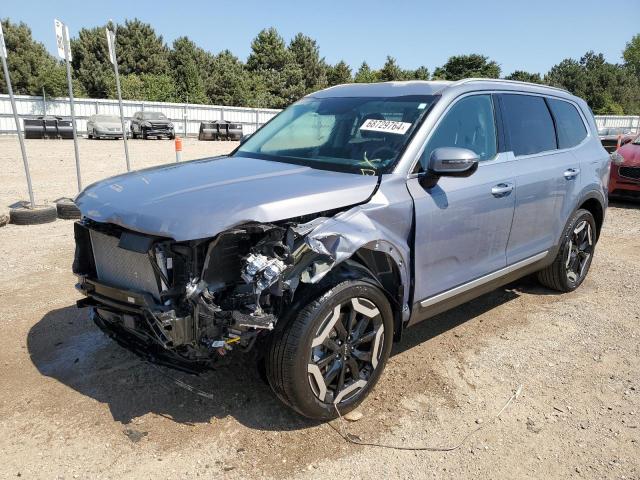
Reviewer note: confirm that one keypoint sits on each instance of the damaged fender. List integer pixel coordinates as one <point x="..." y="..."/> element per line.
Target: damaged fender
<point x="379" y="225"/>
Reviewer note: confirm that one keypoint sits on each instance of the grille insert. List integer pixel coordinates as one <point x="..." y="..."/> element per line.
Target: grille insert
<point x="630" y="172"/>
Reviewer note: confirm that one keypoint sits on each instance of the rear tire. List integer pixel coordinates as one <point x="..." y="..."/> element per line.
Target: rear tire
<point x="572" y="263"/>
<point x="332" y="351"/>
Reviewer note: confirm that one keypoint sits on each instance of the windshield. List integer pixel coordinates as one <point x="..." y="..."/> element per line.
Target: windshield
<point x="153" y="116"/>
<point x="364" y="135"/>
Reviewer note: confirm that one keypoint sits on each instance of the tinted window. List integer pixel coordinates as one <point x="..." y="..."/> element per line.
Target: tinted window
<point x="569" y="125"/>
<point x="468" y="124"/>
<point x="529" y="124"/>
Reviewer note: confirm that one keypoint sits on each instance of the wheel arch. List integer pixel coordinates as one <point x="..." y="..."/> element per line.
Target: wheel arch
<point x="382" y="269"/>
<point x="594" y="203"/>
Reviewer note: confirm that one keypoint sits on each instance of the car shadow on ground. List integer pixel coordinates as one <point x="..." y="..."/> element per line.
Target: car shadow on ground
<point x="67" y="346"/>
<point x="630" y="204"/>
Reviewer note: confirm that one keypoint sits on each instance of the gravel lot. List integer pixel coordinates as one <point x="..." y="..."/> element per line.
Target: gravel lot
<point x="73" y="404"/>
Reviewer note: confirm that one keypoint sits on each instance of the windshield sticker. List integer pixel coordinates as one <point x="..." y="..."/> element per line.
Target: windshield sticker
<point x="387" y="126"/>
<point x="422" y="106"/>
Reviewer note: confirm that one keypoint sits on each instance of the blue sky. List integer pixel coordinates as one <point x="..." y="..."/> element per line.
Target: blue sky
<point x="531" y="35"/>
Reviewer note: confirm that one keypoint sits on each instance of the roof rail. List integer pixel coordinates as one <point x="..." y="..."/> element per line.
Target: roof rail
<point x="513" y="82"/>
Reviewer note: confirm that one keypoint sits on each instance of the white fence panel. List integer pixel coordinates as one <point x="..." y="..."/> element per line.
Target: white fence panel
<point x="186" y="117"/>
<point x="619" y="121"/>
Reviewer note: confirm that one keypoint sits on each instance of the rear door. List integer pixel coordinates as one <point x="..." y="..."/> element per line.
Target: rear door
<point x="544" y="175"/>
<point x="462" y="224"/>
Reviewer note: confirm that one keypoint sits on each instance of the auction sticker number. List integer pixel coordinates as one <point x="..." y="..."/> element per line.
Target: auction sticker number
<point x="386" y="126"/>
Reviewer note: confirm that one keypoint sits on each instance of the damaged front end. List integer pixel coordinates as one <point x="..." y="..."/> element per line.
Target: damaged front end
<point x="187" y="303"/>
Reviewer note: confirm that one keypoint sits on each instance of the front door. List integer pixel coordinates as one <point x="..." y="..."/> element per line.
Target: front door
<point x="462" y="225"/>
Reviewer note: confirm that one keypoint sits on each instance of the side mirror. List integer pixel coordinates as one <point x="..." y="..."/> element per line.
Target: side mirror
<point x="448" y="162"/>
<point x="245" y="138"/>
<point x="616" y="158"/>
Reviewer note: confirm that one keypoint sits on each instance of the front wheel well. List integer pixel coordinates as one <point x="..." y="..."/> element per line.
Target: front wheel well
<point x="386" y="273"/>
<point x="596" y="209"/>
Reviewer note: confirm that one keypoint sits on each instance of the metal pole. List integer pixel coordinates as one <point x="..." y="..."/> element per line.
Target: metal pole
<point x="115" y="69"/>
<point x="73" y="108"/>
<point x="44" y="102"/>
<point x="185" y="116"/>
<point x="20" y="139"/>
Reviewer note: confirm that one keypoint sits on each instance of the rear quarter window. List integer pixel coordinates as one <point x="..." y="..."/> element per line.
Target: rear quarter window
<point x="529" y="124"/>
<point x="569" y="124"/>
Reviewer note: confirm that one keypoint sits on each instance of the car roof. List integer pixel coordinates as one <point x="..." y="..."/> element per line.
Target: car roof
<point x="422" y="87"/>
<point x="383" y="89"/>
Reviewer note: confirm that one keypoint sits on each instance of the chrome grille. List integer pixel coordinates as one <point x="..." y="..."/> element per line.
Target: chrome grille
<point x="122" y="268"/>
<point x="630" y="172"/>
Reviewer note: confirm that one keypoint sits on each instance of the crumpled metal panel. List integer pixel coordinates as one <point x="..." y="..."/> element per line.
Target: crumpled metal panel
<point x="383" y="224"/>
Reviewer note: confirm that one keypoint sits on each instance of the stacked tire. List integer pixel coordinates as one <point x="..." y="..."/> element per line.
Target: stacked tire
<point x="25" y="214"/>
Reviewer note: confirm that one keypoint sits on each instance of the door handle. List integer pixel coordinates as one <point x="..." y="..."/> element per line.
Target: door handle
<point x="571" y="173"/>
<point x="502" y="190"/>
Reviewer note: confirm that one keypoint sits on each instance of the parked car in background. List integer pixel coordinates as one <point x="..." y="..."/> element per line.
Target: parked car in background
<point x="358" y="211"/>
<point x="151" y="124"/>
<point x="624" y="181"/>
<point x="104" y="126"/>
<point x="613" y="137"/>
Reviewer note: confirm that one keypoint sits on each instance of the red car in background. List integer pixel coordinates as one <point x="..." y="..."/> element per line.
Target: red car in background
<point x="624" y="181"/>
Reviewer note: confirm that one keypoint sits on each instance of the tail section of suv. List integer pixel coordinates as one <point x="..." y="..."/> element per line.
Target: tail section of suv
<point x="358" y="211"/>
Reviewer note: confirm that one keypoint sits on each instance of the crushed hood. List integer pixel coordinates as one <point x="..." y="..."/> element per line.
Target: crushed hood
<point x="202" y="198"/>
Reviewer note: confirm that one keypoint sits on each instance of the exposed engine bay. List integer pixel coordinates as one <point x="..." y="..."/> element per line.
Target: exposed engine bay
<point x="195" y="300"/>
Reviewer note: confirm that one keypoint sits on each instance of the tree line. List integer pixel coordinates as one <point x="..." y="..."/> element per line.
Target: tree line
<point x="276" y="73"/>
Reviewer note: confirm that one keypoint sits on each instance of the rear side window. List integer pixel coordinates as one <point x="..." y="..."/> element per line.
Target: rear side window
<point x="569" y="125"/>
<point x="529" y="124"/>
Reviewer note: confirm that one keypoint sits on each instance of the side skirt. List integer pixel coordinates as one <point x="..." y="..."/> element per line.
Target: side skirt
<point x="431" y="306"/>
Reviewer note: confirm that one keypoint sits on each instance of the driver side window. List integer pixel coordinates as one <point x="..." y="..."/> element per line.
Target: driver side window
<point x="470" y="124"/>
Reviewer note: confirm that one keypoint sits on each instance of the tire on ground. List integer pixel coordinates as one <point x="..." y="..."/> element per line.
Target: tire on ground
<point x="25" y="215"/>
<point x="555" y="275"/>
<point x="288" y="353"/>
<point x="67" y="209"/>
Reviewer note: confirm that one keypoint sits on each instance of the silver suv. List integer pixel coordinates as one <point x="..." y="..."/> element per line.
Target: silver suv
<point x="356" y="212"/>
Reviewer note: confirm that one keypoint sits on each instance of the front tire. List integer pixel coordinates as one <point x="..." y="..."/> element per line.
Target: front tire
<point x="572" y="263"/>
<point x="333" y="351"/>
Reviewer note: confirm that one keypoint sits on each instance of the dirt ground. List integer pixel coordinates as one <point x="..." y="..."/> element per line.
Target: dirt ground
<point x="73" y="404"/>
